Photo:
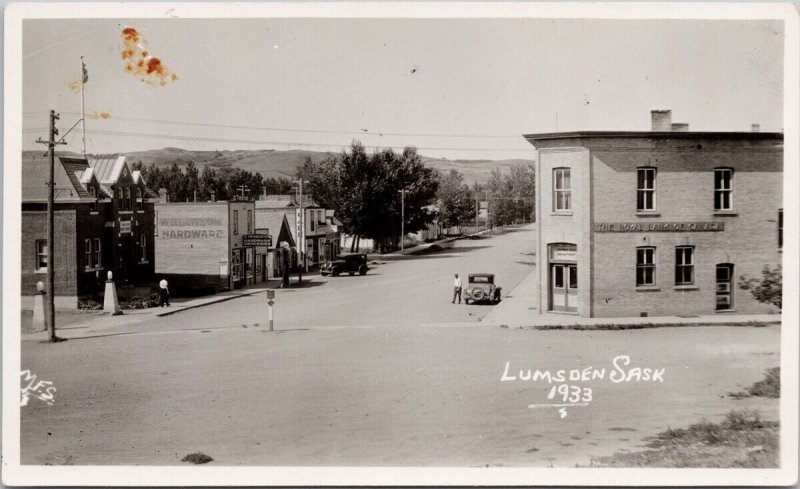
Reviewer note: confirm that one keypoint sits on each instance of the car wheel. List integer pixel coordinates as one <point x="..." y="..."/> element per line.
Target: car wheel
<point x="477" y="294"/>
<point x="352" y="273"/>
<point x="362" y="270"/>
<point x="335" y="273"/>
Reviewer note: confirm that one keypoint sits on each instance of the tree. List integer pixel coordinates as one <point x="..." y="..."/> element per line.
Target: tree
<point x="769" y="289"/>
<point x="455" y="199"/>
<point x="511" y="197"/>
<point x="364" y="190"/>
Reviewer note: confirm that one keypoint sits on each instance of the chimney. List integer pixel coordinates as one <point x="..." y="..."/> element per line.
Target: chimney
<point x="662" y="120"/>
<point x="680" y="127"/>
<point x="162" y="194"/>
<point x="755" y="127"/>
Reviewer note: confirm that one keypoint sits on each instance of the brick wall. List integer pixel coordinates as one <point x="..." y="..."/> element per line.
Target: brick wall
<point x="684" y="192"/>
<point x="34" y="227"/>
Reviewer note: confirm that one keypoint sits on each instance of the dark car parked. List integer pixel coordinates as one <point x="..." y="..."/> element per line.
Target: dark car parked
<point x="481" y="288"/>
<point x="352" y="264"/>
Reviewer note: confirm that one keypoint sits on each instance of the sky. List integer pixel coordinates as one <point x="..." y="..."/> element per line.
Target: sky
<point x="454" y="88"/>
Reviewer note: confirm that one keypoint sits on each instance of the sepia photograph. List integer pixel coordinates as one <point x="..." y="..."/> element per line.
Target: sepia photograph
<point x="402" y="243"/>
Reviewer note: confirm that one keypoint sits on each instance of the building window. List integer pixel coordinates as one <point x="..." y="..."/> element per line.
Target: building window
<point x="249" y="221"/>
<point x="684" y="265"/>
<point x="562" y="194"/>
<point x="92" y="191"/>
<point x="98" y="262"/>
<point x="780" y="229"/>
<point x="723" y="189"/>
<point x="87" y="252"/>
<point x="235" y="222"/>
<point x="127" y="200"/>
<point x="645" y="266"/>
<point x="41" y="255"/>
<point x="313" y="222"/>
<point x="120" y="200"/>
<point x="143" y="248"/>
<point x="646" y="189"/>
<point x="139" y="199"/>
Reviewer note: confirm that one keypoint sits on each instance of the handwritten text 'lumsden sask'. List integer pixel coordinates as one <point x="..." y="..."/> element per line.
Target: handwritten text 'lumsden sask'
<point x="617" y="374"/>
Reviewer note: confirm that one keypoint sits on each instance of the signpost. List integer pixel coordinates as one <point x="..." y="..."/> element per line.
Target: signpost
<point x="270" y="303"/>
<point x="257" y="240"/>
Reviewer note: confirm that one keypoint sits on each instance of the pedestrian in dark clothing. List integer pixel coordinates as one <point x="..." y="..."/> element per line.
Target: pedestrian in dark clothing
<point x="164" y="292"/>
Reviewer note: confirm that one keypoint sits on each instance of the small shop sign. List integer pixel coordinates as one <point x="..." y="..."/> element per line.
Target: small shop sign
<point x="257" y="240"/>
<point x="658" y="227"/>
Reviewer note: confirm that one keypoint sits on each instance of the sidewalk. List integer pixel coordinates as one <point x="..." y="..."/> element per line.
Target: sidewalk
<point x="97" y="321"/>
<point x="519" y="308"/>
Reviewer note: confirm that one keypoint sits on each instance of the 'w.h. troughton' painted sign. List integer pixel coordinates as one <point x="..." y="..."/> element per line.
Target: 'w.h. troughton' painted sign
<point x="658" y="227"/>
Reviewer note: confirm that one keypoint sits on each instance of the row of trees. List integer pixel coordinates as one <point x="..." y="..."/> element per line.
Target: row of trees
<point x="510" y="198"/>
<point x="365" y="191"/>
<point x="189" y="183"/>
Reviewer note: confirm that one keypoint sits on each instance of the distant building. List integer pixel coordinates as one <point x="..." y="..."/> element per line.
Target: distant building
<point x="656" y="223"/>
<point x="199" y="245"/>
<point x="318" y="238"/>
<point x="277" y="226"/>
<point x="103" y="222"/>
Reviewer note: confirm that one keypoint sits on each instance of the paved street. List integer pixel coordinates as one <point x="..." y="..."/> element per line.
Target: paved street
<point x="324" y="390"/>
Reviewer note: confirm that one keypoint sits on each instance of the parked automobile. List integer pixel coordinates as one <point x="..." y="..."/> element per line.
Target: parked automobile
<point x="481" y="288"/>
<point x="352" y="264"/>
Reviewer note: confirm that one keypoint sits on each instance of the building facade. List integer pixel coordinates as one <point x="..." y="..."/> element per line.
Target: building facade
<point x="104" y="220"/>
<point x="656" y="223"/>
<point x="199" y="245"/>
<point x="315" y="229"/>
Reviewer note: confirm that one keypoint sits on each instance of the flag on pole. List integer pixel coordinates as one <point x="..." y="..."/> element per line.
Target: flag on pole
<point x="85" y="72"/>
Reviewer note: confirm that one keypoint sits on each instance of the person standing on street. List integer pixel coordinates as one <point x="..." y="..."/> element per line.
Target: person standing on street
<point x="164" y="299"/>
<point x="457" y="289"/>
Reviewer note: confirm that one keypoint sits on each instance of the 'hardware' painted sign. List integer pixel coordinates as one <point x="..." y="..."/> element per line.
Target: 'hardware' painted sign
<point x="658" y="227"/>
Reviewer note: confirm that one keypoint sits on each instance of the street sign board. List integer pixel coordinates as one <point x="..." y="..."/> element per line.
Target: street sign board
<point x="257" y="240"/>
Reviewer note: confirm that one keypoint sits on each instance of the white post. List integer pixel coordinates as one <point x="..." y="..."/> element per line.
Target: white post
<point x="39" y="321"/>
<point x="110" y="300"/>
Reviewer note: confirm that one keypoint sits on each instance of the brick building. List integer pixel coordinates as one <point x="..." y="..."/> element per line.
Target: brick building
<point x="656" y="223"/>
<point x="103" y="222"/>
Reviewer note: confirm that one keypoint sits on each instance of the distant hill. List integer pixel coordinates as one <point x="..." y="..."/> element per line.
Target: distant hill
<point x="273" y="163"/>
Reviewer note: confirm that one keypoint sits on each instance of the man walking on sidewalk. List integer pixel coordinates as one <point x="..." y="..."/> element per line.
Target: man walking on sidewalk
<point x="164" y="297"/>
<point x="457" y="289"/>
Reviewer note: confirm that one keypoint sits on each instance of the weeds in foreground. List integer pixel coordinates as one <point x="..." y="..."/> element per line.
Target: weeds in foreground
<point x="741" y="440"/>
<point x="769" y="386"/>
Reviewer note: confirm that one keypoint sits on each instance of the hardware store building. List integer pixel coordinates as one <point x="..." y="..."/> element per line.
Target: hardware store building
<point x="656" y="223"/>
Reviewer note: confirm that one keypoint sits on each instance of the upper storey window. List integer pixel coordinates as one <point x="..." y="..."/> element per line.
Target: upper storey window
<point x="646" y="189"/>
<point x="723" y="189"/>
<point x="562" y="190"/>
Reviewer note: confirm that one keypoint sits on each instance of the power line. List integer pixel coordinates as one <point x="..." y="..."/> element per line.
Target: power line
<point x="313" y="131"/>
<point x="284" y="143"/>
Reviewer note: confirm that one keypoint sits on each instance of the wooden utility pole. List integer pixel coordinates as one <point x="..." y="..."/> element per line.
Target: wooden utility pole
<point x="50" y="309"/>
<point x="402" y="221"/>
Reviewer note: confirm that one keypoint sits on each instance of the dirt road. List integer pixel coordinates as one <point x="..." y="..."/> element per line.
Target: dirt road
<point x="403" y="396"/>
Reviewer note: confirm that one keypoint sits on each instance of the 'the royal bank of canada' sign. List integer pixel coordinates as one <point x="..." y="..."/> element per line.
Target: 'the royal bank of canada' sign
<point x="658" y="227"/>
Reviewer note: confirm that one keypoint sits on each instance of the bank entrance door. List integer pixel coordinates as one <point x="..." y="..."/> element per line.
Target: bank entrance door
<point x="724" y="288"/>
<point x="564" y="287"/>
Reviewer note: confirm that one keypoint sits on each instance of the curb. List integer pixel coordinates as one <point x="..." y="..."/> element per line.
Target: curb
<point x="215" y="301"/>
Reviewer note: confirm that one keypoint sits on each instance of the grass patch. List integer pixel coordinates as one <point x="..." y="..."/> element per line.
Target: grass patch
<point x="769" y="386"/>
<point x="741" y="440"/>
